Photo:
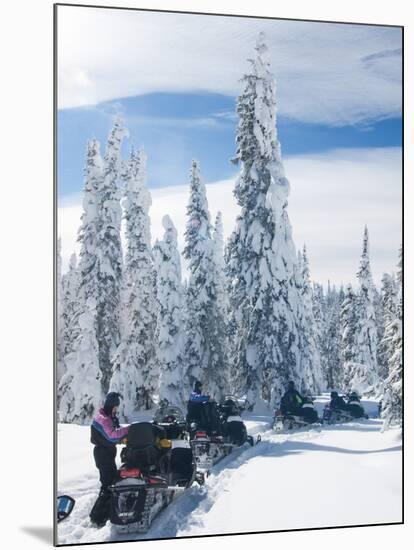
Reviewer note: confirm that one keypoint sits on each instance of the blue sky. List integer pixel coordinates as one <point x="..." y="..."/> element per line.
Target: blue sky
<point x="174" y="80"/>
<point x="174" y="128"/>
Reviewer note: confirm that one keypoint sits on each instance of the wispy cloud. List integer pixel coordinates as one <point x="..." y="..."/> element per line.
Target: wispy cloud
<point x="333" y="196"/>
<point x="328" y="73"/>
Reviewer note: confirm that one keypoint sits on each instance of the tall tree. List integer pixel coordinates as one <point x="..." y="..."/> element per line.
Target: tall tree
<point x="319" y="314"/>
<point x="170" y="333"/>
<point x="205" y="345"/>
<point x="260" y="253"/>
<point x="80" y="387"/>
<point x="82" y="357"/>
<point x="349" y="335"/>
<point x="135" y="375"/>
<point x="365" y="375"/>
<point x="60" y="342"/>
<point x="310" y="363"/>
<point x="392" y="403"/>
<point x="389" y="304"/>
<point x="70" y="297"/>
<point x="109" y="254"/>
<point x="221" y="298"/>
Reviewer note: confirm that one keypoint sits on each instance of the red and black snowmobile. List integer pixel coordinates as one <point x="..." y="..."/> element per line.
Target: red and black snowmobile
<point x="152" y="474"/>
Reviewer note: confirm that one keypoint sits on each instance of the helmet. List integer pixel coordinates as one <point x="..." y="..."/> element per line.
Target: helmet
<point x="291" y="385"/>
<point x="198" y="386"/>
<point x="334" y="394"/>
<point x="112" y="400"/>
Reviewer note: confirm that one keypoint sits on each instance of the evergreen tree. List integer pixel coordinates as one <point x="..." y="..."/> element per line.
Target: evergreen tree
<point x="365" y="370"/>
<point x="260" y="254"/>
<point x="80" y="386"/>
<point x="87" y="236"/>
<point x="389" y="303"/>
<point x="109" y="255"/>
<point x="310" y="358"/>
<point x="331" y="338"/>
<point x="135" y="375"/>
<point x="319" y="315"/>
<point x="70" y="298"/>
<point x="82" y="349"/>
<point x="205" y="345"/>
<point x="222" y="308"/>
<point x="348" y="332"/>
<point x="60" y="342"/>
<point x="170" y="333"/>
<point x="392" y="403"/>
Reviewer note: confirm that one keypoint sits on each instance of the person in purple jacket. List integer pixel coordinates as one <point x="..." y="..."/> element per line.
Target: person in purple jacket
<point x="106" y="433"/>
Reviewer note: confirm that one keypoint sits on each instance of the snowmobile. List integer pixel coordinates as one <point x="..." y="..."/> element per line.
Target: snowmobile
<point x="216" y="432"/>
<point x="172" y="420"/>
<point x="149" y="479"/>
<point x="307" y="417"/>
<point x="353" y="410"/>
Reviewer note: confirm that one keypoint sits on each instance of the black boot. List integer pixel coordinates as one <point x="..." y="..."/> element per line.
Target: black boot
<point x="99" y="514"/>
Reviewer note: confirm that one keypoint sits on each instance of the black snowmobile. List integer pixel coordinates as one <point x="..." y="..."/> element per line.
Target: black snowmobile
<point x="152" y="474"/>
<point x="305" y="416"/>
<point x="342" y="409"/>
<point x="215" y="430"/>
<point x="172" y="420"/>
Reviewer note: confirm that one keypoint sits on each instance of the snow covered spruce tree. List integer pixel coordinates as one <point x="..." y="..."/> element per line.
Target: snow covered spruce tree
<point x="205" y="343"/>
<point x="170" y="332"/>
<point x="71" y="305"/>
<point x="389" y="303"/>
<point x="392" y="403"/>
<point x="87" y="237"/>
<point x="135" y="375"/>
<point x="260" y="254"/>
<point x="348" y="332"/>
<point x="60" y="343"/>
<point x="80" y="388"/>
<point x="109" y="254"/>
<point x="310" y="363"/>
<point x="319" y="315"/>
<point x="364" y="375"/>
<point x="334" y="370"/>
<point x="82" y="348"/>
<point x="221" y="297"/>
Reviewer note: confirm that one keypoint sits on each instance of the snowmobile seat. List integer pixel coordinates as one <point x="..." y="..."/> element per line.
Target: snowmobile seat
<point x="235" y="430"/>
<point x="309" y="413"/>
<point x="355" y="409"/>
<point x="141" y="450"/>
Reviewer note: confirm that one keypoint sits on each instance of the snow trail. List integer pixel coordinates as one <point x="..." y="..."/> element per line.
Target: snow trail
<point x="346" y="474"/>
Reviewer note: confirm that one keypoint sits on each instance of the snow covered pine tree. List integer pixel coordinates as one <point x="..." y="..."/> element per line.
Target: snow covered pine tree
<point x="392" y="404"/>
<point x="310" y="362"/>
<point x="83" y="351"/>
<point x="109" y="254"/>
<point x="170" y="334"/>
<point x="135" y="375"/>
<point x="80" y="386"/>
<point x="364" y="372"/>
<point x="260" y="254"/>
<point x="205" y="344"/>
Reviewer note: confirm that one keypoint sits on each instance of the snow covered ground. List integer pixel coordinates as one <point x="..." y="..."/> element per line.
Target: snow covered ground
<point x="335" y="475"/>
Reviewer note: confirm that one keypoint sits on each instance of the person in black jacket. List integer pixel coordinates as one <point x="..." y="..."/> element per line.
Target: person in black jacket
<point x="106" y="433"/>
<point x="338" y="402"/>
<point x="292" y="401"/>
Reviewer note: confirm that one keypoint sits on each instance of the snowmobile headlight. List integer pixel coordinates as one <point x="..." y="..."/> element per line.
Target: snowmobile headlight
<point x="165" y="443"/>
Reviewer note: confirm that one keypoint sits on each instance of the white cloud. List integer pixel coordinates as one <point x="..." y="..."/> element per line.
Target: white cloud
<point x="333" y="196"/>
<point x="329" y="73"/>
